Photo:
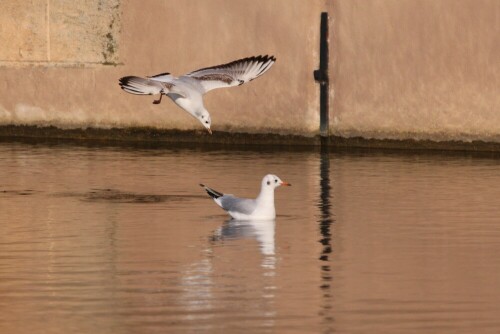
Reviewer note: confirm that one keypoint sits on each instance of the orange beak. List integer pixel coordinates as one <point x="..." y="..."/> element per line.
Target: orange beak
<point x="285" y="184"/>
<point x="209" y="131"/>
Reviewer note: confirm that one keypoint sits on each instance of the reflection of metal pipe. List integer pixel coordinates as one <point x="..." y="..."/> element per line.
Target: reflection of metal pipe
<point x="325" y="223"/>
<point x="321" y="76"/>
<point x="324" y="204"/>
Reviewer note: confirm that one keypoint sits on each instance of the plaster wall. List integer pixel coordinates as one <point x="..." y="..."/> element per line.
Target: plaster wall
<point x="62" y="63"/>
<point x="399" y="69"/>
<point x="406" y="69"/>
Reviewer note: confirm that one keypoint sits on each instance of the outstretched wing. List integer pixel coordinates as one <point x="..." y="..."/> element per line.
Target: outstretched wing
<point x="234" y="73"/>
<point x="162" y="83"/>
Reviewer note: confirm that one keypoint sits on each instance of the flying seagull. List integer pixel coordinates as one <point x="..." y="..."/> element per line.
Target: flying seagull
<point x="187" y="90"/>
<point x="261" y="208"/>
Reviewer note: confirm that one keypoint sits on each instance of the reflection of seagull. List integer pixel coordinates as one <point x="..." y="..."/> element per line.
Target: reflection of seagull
<point x="261" y="208"/>
<point x="187" y="90"/>
<point x="261" y="230"/>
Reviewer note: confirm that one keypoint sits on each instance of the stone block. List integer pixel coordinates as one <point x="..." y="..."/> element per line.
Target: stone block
<point x="84" y="31"/>
<point x="23" y="31"/>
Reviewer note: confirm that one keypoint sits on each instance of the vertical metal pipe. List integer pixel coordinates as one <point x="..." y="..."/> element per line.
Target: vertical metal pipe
<point x="321" y="76"/>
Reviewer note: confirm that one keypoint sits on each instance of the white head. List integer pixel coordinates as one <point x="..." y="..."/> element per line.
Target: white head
<point x="204" y="118"/>
<point x="272" y="181"/>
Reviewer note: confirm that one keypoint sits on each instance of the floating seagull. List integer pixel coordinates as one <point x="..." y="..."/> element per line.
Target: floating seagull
<point x="261" y="208"/>
<point x="187" y="90"/>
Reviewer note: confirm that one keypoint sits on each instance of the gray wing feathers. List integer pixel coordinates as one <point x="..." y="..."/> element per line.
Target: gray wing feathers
<point x="234" y="73"/>
<point x="235" y="204"/>
<point x="147" y="86"/>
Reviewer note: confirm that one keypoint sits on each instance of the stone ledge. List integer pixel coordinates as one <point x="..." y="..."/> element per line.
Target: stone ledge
<point x="160" y="137"/>
<point x="153" y="135"/>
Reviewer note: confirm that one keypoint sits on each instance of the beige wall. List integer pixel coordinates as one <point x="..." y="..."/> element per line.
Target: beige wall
<point x="58" y="32"/>
<point x="416" y="69"/>
<point x="156" y="36"/>
<point x="399" y="68"/>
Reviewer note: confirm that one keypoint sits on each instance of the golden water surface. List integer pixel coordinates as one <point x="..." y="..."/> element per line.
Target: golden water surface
<point x="97" y="239"/>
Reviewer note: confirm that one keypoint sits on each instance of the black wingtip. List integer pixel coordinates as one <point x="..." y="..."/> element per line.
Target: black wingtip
<point x="265" y="58"/>
<point x="125" y="80"/>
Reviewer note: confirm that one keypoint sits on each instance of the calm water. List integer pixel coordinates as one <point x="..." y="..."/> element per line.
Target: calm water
<point x="123" y="240"/>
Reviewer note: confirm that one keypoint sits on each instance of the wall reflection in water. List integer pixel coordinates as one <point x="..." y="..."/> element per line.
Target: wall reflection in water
<point x="124" y="240"/>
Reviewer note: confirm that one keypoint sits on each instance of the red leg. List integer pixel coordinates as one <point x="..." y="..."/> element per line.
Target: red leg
<point x="159" y="100"/>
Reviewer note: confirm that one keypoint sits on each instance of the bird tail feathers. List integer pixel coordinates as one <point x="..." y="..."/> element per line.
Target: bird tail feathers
<point x="212" y="193"/>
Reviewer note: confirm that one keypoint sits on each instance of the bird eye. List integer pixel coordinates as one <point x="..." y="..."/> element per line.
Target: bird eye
<point x="268" y="183"/>
<point x="206" y="122"/>
<point x="202" y="116"/>
<point x="275" y="181"/>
